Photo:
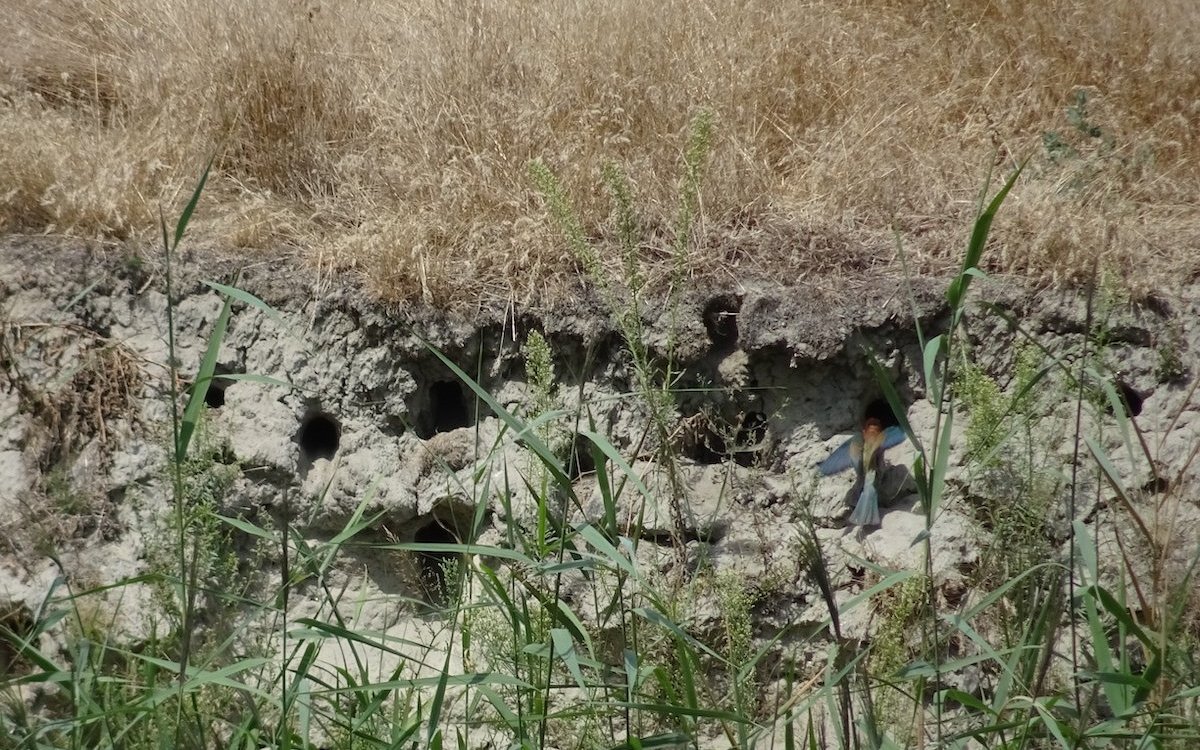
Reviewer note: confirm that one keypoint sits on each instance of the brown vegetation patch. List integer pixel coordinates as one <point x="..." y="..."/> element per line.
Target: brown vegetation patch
<point x="391" y="138"/>
<point x="100" y="384"/>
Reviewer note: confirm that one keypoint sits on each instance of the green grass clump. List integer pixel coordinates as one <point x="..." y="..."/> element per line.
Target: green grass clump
<point x="736" y="600"/>
<point x="624" y="291"/>
<point x="901" y="611"/>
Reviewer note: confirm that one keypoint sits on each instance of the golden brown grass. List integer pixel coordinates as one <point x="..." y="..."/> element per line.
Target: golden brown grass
<point x="391" y="137"/>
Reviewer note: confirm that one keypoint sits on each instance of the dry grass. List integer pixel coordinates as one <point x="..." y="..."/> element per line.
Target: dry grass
<point x="391" y="137"/>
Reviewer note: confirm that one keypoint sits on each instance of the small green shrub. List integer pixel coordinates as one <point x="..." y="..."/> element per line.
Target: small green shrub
<point x="622" y="291"/>
<point x="736" y="601"/>
<point x="1170" y="347"/>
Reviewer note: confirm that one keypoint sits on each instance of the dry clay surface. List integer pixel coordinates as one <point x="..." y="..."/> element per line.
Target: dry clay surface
<point x="360" y="415"/>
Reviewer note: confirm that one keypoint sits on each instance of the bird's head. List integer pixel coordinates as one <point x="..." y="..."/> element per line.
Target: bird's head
<point x="872" y="427"/>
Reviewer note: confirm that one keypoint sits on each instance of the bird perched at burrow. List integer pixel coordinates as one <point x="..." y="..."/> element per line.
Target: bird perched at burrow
<point x="865" y="453"/>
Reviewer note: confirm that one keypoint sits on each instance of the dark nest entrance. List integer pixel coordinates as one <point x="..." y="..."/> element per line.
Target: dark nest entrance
<point x="320" y="436"/>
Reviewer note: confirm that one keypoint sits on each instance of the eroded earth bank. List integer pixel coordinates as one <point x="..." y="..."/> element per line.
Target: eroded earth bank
<point x="335" y="431"/>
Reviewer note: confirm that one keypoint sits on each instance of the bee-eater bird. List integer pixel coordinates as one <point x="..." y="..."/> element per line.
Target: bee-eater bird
<point x="865" y="453"/>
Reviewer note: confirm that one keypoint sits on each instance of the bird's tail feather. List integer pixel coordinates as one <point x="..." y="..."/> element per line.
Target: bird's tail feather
<point x="866" y="512"/>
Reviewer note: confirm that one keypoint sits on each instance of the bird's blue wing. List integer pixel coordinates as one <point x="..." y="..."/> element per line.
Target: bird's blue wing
<point x="893" y="436"/>
<point x="848" y="454"/>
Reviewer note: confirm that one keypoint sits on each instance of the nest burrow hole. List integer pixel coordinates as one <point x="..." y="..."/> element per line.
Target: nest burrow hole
<point x="751" y="439"/>
<point x="720" y="321"/>
<point x="214" y="394"/>
<point x="214" y="397"/>
<point x="319" y="437"/>
<point x="880" y="409"/>
<point x="742" y="441"/>
<point x="445" y="410"/>
<point x="1132" y="400"/>
<point x="580" y="461"/>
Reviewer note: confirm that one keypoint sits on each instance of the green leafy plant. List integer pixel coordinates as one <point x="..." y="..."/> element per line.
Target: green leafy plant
<point x="654" y="376"/>
<point x="1171" y="367"/>
<point x="930" y="466"/>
